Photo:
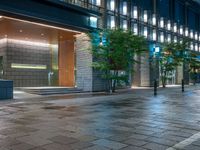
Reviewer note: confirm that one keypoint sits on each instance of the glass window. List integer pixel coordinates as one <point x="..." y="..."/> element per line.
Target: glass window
<point x="179" y="12"/>
<point x="111" y="21"/>
<point x="163" y="8"/>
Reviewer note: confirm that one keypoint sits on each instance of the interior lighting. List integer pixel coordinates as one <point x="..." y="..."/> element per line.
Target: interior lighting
<point x="162" y="22"/>
<point x="112" y="21"/>
<point x="196" y="47"/>
<point x="162" y="37"/>
<point x="175" y="27"/>
<point x="181" y="30"/>
<point x="135" y="12"/>
<point x="124" y="8"/>
<point x="145" y="32"/>
<point x="28" y="66"/>
<point x="186" y="31"/>
<point x="112" y="5"/>
<point x="168" y="25"/>
<point x="196" y="36"/>
<point x="191" y="34"/>
<point x="98" y="2"/>
<point x="145" y="16"/>
<point x="175" y="39"/>
<point x="154" y="35"/>
<point x="135" y="28"/>
<point x="168" y="38"/>
<point x="154" y="19"/>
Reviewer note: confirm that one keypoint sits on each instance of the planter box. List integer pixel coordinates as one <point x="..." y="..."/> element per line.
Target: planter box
<point x="6" y="89"/>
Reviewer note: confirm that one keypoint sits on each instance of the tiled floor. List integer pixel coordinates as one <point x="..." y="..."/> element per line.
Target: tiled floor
<point x="135" y="120"/>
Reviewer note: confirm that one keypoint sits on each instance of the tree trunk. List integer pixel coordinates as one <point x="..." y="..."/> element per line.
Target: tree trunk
<point x="114" y="82"/>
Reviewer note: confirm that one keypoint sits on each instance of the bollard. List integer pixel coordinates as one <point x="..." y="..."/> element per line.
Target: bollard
<point x="155" y="87"/>
<point x="183" y="86"/>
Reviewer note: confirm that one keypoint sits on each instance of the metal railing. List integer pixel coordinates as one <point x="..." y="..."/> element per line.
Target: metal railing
<point x="84" y="4"/>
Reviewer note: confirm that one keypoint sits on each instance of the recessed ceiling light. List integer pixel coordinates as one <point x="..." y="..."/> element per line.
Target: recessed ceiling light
<point x="20" y="31"/>
<point x="1" y="16"/>
<point x="42" y="34"/>
<point x="6" y="35"/>
<point x="61" y="37"/>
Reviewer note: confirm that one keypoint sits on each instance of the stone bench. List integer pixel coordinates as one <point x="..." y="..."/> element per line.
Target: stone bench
<point x="6" y="89"/>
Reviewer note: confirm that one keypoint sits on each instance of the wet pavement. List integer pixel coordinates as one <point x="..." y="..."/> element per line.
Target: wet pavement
<point x="127" y="120"/>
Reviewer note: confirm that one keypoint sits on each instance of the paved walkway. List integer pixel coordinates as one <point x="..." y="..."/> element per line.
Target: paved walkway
<point x="127" y="120"/>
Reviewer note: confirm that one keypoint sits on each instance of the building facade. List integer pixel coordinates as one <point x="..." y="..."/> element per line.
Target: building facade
<point x="44" y="43"/>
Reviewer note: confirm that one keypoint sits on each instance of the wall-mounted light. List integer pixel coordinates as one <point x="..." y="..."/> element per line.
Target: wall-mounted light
<point x="162" y="22"/>
<point x="154" y="36"/>
<point x="154" y="19"/>
<point x="135" y="28"/>
<point x="135" y="12"/>
<point x="145" y="17"/>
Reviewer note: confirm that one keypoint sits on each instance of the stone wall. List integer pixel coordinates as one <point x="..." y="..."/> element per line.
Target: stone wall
<point x="84" y="69"/>
<point x="31" y="54"/>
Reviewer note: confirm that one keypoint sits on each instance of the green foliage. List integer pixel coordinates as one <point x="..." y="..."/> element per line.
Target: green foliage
<point x="114" y="50"/>
<point x="171" y="56"/>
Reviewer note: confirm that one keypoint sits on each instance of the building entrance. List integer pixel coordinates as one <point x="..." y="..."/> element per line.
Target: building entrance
<point x="36" y="54"/>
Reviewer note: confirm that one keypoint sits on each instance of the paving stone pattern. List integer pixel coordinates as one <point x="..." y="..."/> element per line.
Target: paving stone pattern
<point x="135" y="120"/>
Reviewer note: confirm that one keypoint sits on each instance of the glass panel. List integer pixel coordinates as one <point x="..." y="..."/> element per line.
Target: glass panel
<point x="1" y="67"/>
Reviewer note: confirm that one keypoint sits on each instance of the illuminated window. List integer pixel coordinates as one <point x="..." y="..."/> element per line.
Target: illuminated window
<point x="145" y="32"/>
<point x="175" y="39"/>
<point x="154" y="19"/>
<point x="135" y="28"/>
<point x="181" y="30"/>
<point x="135" y="12"/>
<point x="191" y="46"/>
<point x="124" y="8"/>
<point x="186" y="32"/>
<point x="112" y="5"/>
<point x="98" y="2"/>
<point x="169" y="38"/>
<point x="168" y="25"/>
<point x="196" y="36"/>
<point x="191" y="34"/>
<point x="162" y="22"/>
<point x="93" y="22"/>
<point x="125" y="24"/>
<point x="175" y="27"/>
<point x="161" y="37"/>
<point x="196" y="47"/>
<point x="154" y="36"/>
<point x="145" y="16"/>
<point x="112" y="21"/>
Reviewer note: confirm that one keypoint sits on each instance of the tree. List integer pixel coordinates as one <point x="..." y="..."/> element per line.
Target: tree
<point x="113" y="51"/>
<point x="171" y="56"/>
<point x="194" y="66"/>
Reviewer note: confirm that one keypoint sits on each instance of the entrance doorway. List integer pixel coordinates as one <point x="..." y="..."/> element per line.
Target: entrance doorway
<point x="37" y="55"/>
